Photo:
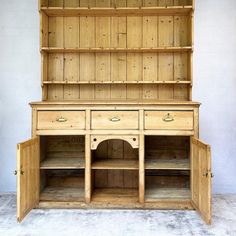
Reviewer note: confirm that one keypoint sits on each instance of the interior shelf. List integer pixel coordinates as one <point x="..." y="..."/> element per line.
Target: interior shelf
<point x="131" y="50"/>
<point x="62" y="194"/>
<point x="115" y="195"/>
<point x="115" y="164"/>
<point x="167" y="164"/>
<point x="107" y="11"/>
<point x="155" y="193"/>
<point x="58" y="162"/>
<point x="117" y="82"/>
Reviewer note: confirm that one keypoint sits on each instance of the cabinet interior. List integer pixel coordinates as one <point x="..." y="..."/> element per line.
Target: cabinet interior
<point x="62" y="167"/>
<point x="115" y="169"/>
<point x="167" y="167"/>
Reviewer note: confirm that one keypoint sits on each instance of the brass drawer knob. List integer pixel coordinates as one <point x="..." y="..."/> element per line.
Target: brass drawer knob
<point x="168" y="118"/>
<point x="114" y="119"/>
<point x="61" y="119"/>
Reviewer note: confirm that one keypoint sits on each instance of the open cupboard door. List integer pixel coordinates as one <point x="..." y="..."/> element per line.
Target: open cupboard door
<point x="201" y="178"/>
<point x="27" y="177"/>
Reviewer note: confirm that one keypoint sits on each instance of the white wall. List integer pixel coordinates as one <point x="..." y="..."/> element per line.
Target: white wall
<point x="214" y="83"/>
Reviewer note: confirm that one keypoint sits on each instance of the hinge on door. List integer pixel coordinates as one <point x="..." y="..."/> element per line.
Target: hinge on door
<point x="208" y="173"/>
<point x="21" y="172"/>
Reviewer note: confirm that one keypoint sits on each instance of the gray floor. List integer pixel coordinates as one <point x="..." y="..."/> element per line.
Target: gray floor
<point x="118" y="222"/>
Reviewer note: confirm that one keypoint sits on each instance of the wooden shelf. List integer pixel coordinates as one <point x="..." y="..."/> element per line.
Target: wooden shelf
<point x="115" y="195"/>
<point x="115" y="164"/>
<point x="131" y="50"/>
<point x="171" y="164"/>
<point x="153" y="194"/>
<point x="63" y="163"/>
<point x="117" y="82"/>
<point x="106" y="11"/>
<point x="62" y="194"/>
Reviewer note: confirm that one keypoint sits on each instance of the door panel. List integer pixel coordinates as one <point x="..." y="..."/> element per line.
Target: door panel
<point x="201" y="178"/>
<point x="27" y="176"/>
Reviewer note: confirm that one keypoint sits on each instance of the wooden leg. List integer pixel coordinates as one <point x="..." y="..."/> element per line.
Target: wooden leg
<point x="87" y="169"/>
<point x="141" y="169"/>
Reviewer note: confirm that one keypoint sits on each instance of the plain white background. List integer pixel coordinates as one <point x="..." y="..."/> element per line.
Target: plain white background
<point x="214" y="83"/>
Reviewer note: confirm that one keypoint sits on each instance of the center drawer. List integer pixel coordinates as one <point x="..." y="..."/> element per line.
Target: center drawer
<point x="61" y="120"/>
<point x="114" y="120"/>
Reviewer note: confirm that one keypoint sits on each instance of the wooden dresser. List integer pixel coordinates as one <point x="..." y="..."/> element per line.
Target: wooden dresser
<point x="116" y="127"/>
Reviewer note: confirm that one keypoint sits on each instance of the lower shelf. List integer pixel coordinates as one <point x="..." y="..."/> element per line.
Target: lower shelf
<point x="154" y="194"/>
<point x="115" y="195"/>
<point x="62" y="194"/>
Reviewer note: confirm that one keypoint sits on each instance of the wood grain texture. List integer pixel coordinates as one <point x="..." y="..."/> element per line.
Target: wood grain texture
<point x="27" y="177"/>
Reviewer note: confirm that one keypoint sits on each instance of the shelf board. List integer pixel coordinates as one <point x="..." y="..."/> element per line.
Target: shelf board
<point x="121" y="11"/>
<point x="115" y="195"/>
<point x="170" y="164"/>
<point x="115" y="164"/>
<point x="154" y="194"/>
<point x="59" y="162"/>
<point x="131" y="50"/>
<point x="62" y="194"/>
<point x="117" y="82"/>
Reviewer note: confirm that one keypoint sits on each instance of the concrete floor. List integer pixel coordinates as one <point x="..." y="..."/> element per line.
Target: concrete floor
<point x="118" y="222"/>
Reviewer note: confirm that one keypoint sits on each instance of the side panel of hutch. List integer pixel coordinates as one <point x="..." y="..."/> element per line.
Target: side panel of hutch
<point x="117" y="127"/>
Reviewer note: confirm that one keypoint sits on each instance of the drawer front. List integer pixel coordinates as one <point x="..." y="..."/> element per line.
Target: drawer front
<point x="61" y="120"/>
<point x="114" y="120"/>
<point x="167" y="120"/>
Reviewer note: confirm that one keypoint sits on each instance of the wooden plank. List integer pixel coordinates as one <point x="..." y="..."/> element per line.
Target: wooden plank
<point x="61" y="162"/>
<point x="117" y="164"/>
<point x="106" y="11"/>
<point x="134" y="32"/>
<point x="71" y="73"/>
<point x="118" y="32"/>
<point x="43" y="30"/>
<point x="56" y="32"/>
<point x="88" y="3"/>
<point x="153" y="194"/>
<point x="103" y="60"/>
<point x="150" y="29"/>
<point x="166" y="32"/>
<point x="118" y="49"/>
<point x="166" y="72"/>
<point x="166" y="2"/>
<point x="62" y="194"/>
<point x="55" y="72"/>
<point x="87" y="73"/>
<point x="55" y="3"/>
<point x="103" y="34"/>
<point x="71" y="29"/>
<point x="180" y="31"/>
<point x="150" y="3"/>
<point x="115" y="195"/>
<point x="171" y="164"/>
<point x="87" y="29"/>
<point x="134" y="3"/>
<point x="71" y="3"/>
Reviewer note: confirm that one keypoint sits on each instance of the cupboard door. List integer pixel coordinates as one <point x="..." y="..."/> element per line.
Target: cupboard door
<point x="201" y="178"/>
<point x="27" y="176"/>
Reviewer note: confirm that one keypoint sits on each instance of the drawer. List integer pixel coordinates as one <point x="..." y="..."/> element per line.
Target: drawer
<point x="176" y="120"/>
<point x="61" y="120"/>
<point x="115" y="120"/>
